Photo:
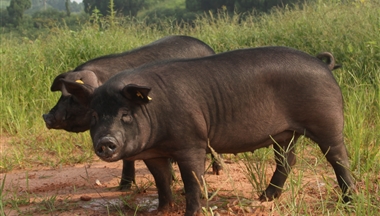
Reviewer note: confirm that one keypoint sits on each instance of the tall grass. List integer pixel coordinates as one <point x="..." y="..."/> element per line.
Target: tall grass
<point x="350" y="30"/>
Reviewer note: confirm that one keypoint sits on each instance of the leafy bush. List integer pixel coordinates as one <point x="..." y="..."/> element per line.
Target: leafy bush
<point x="4" y="17"/>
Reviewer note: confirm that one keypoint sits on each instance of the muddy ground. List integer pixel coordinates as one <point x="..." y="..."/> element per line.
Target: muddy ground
<point x="91" y="189"/>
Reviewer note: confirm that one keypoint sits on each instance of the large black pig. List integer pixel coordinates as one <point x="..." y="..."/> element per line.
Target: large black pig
<point x="74" y="116"/>
<point x="236" y="101"/>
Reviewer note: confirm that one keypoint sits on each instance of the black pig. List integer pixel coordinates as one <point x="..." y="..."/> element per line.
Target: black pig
<point x="71" y="115"/>
<point x="236" y="101"/>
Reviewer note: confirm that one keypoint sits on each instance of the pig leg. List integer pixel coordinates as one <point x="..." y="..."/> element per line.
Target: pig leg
<point x="127" y="175"/>
<point x="162" y="173"/>
<point x="336" y="154"/>
<point x="331" y="143"/>
<point x="216" y="165"/>
<point x="192" y="166"/>
<point x="285" y="159"/>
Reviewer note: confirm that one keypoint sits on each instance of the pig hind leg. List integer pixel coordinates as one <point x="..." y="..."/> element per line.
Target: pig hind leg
<point x="285" y="159"/>
<point x="336" y="154"/>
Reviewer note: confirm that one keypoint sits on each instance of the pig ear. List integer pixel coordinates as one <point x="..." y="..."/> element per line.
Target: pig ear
<point x="57" y="83"/>
<point x="137" y="94"/>
<point x="79" y="90"/>
<point x="84" y="76"/>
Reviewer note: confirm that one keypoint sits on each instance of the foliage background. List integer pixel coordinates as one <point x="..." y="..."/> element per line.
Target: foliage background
<point x="46" y="13"/>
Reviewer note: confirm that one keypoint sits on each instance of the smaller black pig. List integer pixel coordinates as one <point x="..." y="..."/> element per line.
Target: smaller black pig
<point x="72" y="115"/>
<point x="236" y="101"/>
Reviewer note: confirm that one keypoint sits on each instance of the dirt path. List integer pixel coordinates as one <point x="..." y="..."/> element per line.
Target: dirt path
<point x="91" y="189"/>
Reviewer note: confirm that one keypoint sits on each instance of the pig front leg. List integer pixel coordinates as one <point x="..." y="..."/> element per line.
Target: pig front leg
<point x="127" y="175"/>
<point x="162" y="172"/>
<point x="192" y="166"/>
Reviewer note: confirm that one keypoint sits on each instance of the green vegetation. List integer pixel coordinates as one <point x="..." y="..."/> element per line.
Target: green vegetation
<point x="16" y="10"/>
<point x="124" y="7"/>
<point x="43" y="15"/>
<point x="350" y="30"/>
<point x="239" y="5"/>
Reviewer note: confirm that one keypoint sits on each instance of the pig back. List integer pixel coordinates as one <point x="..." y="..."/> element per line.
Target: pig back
<point x="170" y="47"/>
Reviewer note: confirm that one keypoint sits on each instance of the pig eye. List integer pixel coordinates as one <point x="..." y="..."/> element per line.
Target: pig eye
<point x="126" y="118"/>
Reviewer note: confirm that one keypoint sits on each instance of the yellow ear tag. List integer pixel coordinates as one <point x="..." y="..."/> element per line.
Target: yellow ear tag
<point x="79" y="81"/>
<point x="138" y="94"/>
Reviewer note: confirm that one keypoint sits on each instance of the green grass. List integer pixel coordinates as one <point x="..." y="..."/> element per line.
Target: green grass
<point x="161" y="4"/>
<point x="349" y="30"/>
<point x="163" y="9"/>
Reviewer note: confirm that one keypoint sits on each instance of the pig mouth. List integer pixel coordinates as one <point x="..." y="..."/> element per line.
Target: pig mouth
<point x="48" y="126"/>
<point x="50" y="121"/>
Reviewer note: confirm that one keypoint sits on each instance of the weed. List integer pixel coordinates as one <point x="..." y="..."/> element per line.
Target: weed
<point x="2" y="197"/>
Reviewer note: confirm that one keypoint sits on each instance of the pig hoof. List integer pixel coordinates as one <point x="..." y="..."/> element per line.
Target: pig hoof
<point x="268" y="195"/>
<point x="217" y="169"/>
<point x="125" y="187"/>
<point x="166" y="208"/>
<point x="210" y="194"/>
<point x="264" y="198"/>
<point x="347" y="199"/>
<point x="217" y="172"/>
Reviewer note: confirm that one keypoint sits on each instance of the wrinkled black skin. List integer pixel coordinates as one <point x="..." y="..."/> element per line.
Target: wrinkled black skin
<point x="237" y="101"/>
<point x="73" y="115"/>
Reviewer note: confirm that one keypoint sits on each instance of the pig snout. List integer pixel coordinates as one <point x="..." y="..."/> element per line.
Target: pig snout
<point x="49" y="120"/>
<point x="106" y="148"/>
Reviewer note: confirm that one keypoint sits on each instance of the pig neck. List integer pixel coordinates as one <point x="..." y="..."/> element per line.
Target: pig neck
<point x="174" y="115"/>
